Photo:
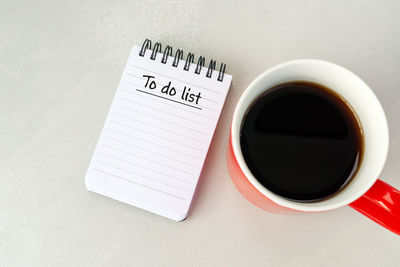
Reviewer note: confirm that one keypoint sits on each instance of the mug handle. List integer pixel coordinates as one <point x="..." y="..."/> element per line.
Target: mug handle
<point x="381" y="203"/>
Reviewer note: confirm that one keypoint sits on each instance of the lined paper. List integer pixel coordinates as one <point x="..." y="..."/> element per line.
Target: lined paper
<point x="155" y="138"/>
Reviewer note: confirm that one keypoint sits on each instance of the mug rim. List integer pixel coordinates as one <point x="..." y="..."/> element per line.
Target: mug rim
<point x="317" y="205"/>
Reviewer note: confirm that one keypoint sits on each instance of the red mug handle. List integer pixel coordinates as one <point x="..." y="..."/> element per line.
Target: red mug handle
<point x="381" y="203"/>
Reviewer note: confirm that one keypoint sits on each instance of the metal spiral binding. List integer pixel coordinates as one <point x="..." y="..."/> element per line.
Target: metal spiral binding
<point x="167" y="53"/>
<point x="156" y="49"/>
<point x="200" y="64"/>
<point x="178" y="56"/>
<point x="211" y="67"/>
<point x="189" y="60"/>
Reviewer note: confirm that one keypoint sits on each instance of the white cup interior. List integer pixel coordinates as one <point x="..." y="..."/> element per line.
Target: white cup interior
<point x="357" y="94"/>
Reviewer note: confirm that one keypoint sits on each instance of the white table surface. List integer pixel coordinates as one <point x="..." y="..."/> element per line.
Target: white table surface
<point x="60" y="63"/>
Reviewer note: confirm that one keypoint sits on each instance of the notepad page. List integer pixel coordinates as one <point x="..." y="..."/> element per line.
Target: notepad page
<point x="157" y="133"/>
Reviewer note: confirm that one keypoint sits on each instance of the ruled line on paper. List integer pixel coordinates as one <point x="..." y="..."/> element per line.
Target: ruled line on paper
<point x="152" y="134"/>
<point x="148" y="142"/>
<point x="148" y="187"/>
<point x="166" y="98"/>
<point x="160" y="110"/>
<point x="161" y="128"/>
<point x="158" y="118"/>
<point x="141" y="175"/>
<point x="146" y="159"/>
<point x="141" y="166"/>
<point x="150" y="151"/>
<point x="185" y="82"/>
<point x="177" y="89"/>
<point x="168" y="104"/>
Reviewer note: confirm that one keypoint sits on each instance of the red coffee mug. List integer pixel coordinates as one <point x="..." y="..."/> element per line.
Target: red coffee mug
<point x="365" y="193"/>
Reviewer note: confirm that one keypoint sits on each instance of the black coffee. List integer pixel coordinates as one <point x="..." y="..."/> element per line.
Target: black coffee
<point x="301" y="141"/>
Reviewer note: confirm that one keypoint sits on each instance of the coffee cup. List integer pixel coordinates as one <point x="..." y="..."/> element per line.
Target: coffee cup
<point x="364" y="192"/>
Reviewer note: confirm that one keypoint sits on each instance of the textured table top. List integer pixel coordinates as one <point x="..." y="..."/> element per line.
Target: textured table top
<point x="60" y="64"/>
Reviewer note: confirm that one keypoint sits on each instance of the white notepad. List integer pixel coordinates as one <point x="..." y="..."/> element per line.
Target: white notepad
<point x="155" y="138"/>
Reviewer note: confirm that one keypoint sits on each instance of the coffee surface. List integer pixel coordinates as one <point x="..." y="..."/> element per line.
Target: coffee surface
<point x="301" y="141"/>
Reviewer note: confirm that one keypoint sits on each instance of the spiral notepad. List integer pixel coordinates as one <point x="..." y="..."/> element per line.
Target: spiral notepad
<point x="157" y="133"/>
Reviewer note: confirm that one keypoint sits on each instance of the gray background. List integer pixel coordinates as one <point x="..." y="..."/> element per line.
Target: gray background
<point x="60" y="64"/>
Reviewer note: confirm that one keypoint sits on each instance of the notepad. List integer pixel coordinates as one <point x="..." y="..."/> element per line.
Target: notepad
<point x="155" y="139"/>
